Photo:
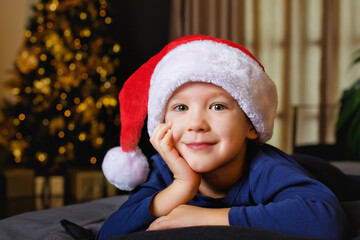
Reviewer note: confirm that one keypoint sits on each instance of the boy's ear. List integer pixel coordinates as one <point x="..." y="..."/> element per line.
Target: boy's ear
<point x="252" y="133"/>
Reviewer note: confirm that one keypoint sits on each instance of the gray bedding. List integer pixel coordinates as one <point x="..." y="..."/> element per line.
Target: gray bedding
<point x="45" y="224"/>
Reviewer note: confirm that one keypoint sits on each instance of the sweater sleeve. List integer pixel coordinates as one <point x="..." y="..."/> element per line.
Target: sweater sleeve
<point x="134" y="215"/>
<point x="287" y="200"/>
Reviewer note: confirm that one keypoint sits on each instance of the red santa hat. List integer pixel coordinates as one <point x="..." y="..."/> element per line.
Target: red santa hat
<point x="194" y="58"/>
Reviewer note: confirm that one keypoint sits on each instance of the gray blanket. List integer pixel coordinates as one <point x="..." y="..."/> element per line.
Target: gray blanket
<point x="45" y="224"/>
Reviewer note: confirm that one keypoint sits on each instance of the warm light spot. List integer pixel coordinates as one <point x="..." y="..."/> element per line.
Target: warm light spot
<point x="78" y="56"/>
<point x="28" y="34"/>
<point x="93" y="160"/>
<point x="113" y="79"/>
<point x="28" y="90"/>
<point x="40" y="20"/>
<point x="16" y="121"/>
<point x="43" y="57"/>
<point x="59" y="107"/>
<point x="40" y="28"/>
<point x="82" y="136"/>
<point x="33" y="39"/>
<point x="72" y="66"/>
<point x="15" y="91"/>
<point x="98" y="105"/>
<point x="86" y="32"/>
<point x="67" y="32"/>
<point x="62" y="150"/>
<point x="102" y="13"/>
<point x="67" y="113"/>
<point x="21" y="117"/>
<point x="83" y="16"/>
<point x="41" y="156"/>
<point x="108" y="20"/>
<point x="40" y="6"/>
<point x="61" y="134"/>
<point x="59" y="72"/>
<point x="71" y="126"/>
<point x="107" y="85"/>
<point x="63" y="96"/>
<point x="84" y="75"/>
<point x="45" y="122"/>
<point x="41" y="71"/>
<point x="99" y="140"/>
<point x="53" y="6"/>
<point x="49" y="25"/>
<point x="116" y="48"/>
<point x="77" y="41"/>
<point x="18" y="135"/>
<point x="76" y="100"/>
<point x="17" y="153"/>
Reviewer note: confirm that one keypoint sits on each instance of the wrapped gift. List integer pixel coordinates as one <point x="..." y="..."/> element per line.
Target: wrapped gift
<point x="19" y="182"/>
<point x="85" y="185"/>
<point x="49" y="192"/>
<point x="17" y="191"/>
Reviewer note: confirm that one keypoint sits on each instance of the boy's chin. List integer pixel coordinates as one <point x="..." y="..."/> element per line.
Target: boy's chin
<point x="199" y="168"/>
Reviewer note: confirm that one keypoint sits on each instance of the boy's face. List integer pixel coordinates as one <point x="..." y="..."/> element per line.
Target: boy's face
<point x="209" y="128"/>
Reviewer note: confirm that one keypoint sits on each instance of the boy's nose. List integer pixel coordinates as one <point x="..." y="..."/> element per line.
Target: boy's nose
<point x="197" y="122"/>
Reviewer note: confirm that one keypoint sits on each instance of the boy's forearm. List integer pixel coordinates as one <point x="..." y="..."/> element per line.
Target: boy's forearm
<point x="174" y="195"/>
<point x="187" y="215"/>
<point x="217" y="216"/>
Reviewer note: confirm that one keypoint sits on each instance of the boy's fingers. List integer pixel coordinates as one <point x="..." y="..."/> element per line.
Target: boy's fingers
<point x="160" y="131"/>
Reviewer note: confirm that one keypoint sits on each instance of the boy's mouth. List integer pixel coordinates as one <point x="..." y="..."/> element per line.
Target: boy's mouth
<point x="199" y="145"/>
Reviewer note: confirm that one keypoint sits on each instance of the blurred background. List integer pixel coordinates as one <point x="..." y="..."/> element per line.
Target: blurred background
<point x="63" y="63"/>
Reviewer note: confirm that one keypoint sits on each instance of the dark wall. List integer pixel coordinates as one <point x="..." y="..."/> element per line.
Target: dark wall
<point x="142" y="30"/>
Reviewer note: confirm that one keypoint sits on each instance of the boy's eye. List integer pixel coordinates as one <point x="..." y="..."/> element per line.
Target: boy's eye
<point x="181" y="108"/>
<point x="217" y="107"/>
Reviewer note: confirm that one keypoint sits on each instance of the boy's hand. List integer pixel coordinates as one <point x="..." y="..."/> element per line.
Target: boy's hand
<point x="161" y="139"/>
<point x="187" y="215"/>
<point x="186" y="181"/>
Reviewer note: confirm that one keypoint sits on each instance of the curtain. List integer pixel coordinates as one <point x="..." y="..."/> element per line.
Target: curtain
<point x="304" y="45"/>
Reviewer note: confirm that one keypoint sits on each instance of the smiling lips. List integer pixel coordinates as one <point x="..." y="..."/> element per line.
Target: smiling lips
<point x="199" y="145"/>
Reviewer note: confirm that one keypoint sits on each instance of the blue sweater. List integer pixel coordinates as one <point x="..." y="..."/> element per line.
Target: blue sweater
<point x="276" y="194"/>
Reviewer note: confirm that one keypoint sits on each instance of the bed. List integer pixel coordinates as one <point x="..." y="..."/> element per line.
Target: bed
<point x="45" y="224"/>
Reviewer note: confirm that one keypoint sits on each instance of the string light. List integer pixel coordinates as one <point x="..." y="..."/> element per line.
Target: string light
<point x="83" y="15"/>
<point x="93" y="160"/>
<point x="21" y="117"/>
<point x="108" y="20"/>
<point x="82" y="136"/>
<point x="61" y="134"/>
<point x="62" y="150"/>
<point x="43" y="57"/>
<point x="116" y="48"/>
<point x="59" y="106"/>
<point x="67" y="113"/>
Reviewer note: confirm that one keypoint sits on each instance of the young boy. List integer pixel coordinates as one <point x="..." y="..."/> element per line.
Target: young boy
<point x="210" y="108"/>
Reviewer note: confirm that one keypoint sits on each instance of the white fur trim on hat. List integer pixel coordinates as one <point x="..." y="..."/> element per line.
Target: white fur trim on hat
<point x="220" y="64"/>
<point x="125" y="170"/>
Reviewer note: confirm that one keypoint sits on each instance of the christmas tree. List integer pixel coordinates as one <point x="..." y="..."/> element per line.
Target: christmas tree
<point x="65" y="86"/>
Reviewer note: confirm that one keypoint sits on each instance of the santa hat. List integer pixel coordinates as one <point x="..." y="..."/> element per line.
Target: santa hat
<point x="188" y="59"/>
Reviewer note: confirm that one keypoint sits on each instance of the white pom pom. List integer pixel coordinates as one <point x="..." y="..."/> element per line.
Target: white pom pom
<point x="125" y="170"/>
